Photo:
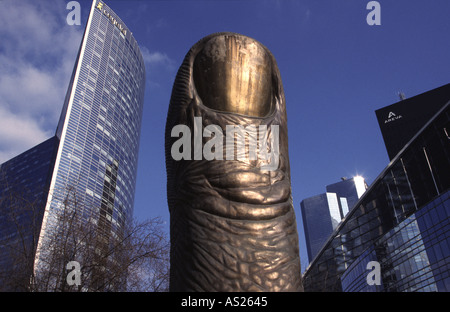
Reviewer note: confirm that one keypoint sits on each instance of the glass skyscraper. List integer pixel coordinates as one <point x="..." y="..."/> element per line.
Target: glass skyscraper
<point x="322" y="213"/>
<point x="402" y="222"/>
<point x="94" y="152"/>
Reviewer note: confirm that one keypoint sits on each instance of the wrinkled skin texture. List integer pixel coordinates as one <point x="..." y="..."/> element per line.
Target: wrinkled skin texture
<point x="232" y="225"/>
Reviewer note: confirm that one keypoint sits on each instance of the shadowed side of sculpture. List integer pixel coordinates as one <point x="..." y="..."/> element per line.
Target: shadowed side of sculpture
<point x="232" y="223"/>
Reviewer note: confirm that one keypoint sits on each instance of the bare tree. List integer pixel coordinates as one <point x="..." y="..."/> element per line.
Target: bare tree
<point x="111" y="257"/>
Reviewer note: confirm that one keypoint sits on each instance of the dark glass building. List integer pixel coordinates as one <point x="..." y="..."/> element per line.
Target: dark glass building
<point x="322" y="213"/>
<point x="414" y="255"/>
<point x="24" y="188"/>
<point x="402" y="222"/>
<point x="400" y="121"/>
<point x="95" y="149"/>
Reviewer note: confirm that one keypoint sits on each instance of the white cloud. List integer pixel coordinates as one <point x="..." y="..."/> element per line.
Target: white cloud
<point x="18" y="134"/>
<point x="159" y="67"/>
<point x="153" y="59"/>
<point x="37" y="55"/>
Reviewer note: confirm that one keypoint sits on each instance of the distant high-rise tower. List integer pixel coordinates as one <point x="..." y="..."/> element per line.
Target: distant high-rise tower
<point x="94" y="152"/>
<point x="322" y="213"/>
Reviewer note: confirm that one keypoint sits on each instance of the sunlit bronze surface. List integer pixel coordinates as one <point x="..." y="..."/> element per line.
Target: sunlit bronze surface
<point x="232" y="225"/>
<point x="233" y="74"/>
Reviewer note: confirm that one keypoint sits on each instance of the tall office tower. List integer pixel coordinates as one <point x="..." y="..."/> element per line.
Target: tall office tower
<point x="94" y="163"/>
<point x="400" y="121"/>
<point x="401" y="224"/>
<point x="322" y="213"/>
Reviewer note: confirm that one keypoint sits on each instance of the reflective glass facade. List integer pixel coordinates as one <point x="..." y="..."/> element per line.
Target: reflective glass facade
<point x="321" y="214"/>
<point x="95" y="150"/>
<point x="24" y="186"/>
<point x="100" y="124"/>
<point x="348" y="192"/>
<point x="401" y="221"/>
<point x="317" y="223"/>
<point x="414" y="255"/>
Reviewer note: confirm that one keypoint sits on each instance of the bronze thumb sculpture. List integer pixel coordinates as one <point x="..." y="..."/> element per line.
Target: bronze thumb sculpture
<point x="232" y="221"/>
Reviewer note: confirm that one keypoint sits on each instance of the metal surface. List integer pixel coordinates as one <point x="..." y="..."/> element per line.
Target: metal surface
<point x="233" y="74"/>
<point x="233" y="226"/>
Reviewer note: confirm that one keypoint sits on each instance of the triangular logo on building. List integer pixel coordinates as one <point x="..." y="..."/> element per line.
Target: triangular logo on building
<point x="391" y="117"/>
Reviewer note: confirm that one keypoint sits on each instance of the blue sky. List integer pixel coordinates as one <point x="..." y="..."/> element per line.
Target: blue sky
<point x="336" y="71"/>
